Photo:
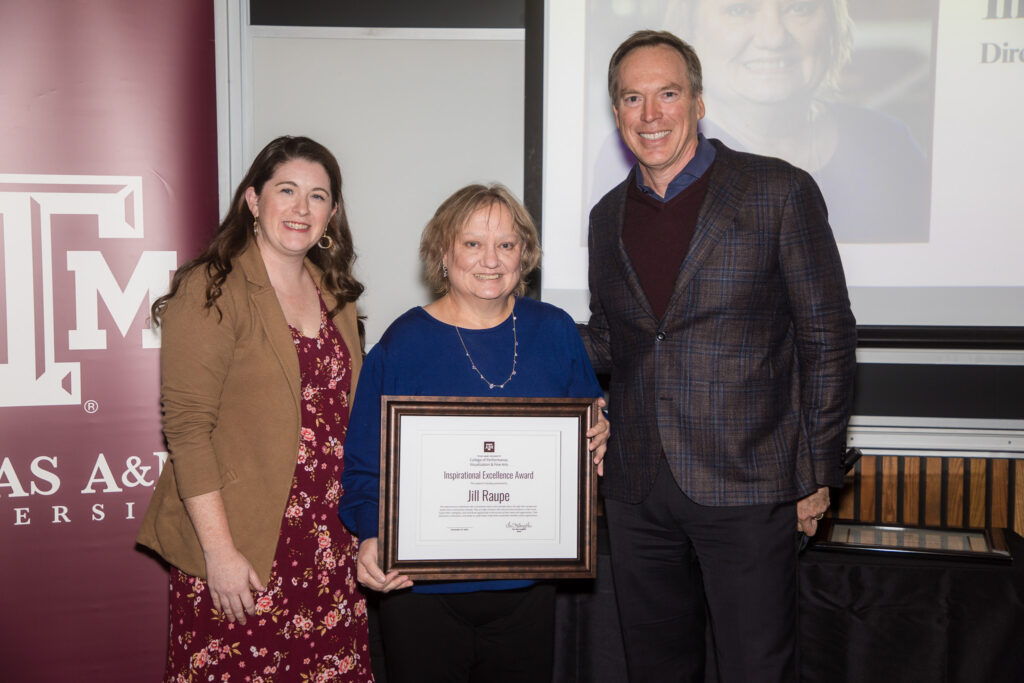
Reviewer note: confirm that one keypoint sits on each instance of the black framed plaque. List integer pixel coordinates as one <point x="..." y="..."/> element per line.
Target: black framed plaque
<point x="487" y="488"/>
<point x="975" y="544"/>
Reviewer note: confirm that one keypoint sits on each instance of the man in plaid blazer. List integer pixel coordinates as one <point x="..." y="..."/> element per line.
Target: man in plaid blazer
<point x="720" y="310"/>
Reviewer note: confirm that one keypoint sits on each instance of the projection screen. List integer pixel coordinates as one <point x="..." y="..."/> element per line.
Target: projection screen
<point x="907" y="115"/>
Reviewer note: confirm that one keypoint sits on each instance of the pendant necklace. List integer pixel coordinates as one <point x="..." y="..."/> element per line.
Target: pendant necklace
<point x="515" y="355"/>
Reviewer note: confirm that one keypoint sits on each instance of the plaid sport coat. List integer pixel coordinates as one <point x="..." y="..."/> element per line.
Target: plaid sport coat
<point x="746" y="383"/>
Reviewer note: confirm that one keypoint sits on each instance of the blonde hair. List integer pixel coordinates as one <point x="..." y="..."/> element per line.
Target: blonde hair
<point x="440" y="233"/>
<point x="680" y="18"/>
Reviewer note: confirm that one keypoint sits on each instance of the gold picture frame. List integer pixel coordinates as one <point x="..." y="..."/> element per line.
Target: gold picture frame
<point x="972" y="544"/>
<point x="487" y="488"/>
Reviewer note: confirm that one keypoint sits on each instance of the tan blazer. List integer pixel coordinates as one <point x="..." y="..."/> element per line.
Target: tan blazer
<point x="230" y="392"/>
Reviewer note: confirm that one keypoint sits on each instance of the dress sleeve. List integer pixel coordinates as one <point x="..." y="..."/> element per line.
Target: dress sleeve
<point x="360" y="480"/>
<point x="197" y="347"/>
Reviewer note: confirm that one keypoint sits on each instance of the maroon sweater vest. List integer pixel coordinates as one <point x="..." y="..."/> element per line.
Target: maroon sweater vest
<point x="657" y="236"/>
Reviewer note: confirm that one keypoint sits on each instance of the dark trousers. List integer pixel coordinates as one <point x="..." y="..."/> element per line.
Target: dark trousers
<point x="492" y="636"/>
<point x="676" y="563"/>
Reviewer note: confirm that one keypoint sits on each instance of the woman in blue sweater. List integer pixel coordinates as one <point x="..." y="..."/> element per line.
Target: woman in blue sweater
<point x="478" y="339"/>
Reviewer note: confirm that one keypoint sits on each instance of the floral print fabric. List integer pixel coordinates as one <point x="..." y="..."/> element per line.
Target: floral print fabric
<point x="310" y="623"/>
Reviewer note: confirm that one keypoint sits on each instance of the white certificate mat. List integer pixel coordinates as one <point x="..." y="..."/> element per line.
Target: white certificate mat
<point x="471" y="485"/>
<point x="476" y="504"/>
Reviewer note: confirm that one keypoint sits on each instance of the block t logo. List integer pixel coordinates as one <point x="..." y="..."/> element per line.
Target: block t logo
<point x="29" y="373"/>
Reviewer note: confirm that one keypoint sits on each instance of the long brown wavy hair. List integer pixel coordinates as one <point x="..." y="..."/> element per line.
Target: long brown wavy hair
<point x="235" y="232"/>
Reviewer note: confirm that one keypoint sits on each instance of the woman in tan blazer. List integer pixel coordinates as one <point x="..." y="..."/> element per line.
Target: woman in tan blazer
<point x="260" y="356"/>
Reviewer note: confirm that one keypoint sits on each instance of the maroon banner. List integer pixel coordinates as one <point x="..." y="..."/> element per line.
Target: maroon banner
<point x="108" y="182"/>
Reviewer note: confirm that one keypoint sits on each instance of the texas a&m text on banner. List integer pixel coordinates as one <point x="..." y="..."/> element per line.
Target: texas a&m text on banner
<point x="108" y="182"/>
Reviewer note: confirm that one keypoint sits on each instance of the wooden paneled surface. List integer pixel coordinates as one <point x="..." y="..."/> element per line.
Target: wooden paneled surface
<point x="944" y="492"/>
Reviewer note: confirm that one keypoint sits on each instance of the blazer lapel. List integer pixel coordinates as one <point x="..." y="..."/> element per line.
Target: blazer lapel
<point x="619" y="221"/>
<point x="271" y="317"/>
<point x="717" y="215"/>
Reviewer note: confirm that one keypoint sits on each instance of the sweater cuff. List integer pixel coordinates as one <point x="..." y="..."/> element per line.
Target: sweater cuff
<point x="367" y="522"/>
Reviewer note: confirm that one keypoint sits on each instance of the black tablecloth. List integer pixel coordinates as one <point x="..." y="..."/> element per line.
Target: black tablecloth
<point x="885" y="617"/>
<point x="863" y="618"/>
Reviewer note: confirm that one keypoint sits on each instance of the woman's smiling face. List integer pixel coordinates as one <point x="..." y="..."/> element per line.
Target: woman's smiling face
<point x="293" y="207"/>
<point x="762" y="51"/>
<point x="484" y="261"/>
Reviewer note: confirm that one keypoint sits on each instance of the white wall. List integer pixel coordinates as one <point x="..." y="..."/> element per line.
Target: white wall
<point x="411" y="115"/>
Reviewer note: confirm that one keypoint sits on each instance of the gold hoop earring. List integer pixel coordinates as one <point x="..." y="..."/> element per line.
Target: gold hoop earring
<point x="330" y="242"/>
<point x="256" y="226"/>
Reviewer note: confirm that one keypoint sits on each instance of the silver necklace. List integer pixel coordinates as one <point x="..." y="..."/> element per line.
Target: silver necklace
<point x="515" y="355"/>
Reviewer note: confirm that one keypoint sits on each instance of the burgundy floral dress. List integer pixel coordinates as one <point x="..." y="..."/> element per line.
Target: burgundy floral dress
<point x="310" y="623"/>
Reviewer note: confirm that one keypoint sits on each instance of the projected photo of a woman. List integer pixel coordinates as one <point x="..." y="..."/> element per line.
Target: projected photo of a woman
<point x="773" y="84"/>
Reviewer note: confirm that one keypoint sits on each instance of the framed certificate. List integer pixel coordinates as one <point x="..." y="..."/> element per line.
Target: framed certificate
<point x="487" y="488"/>
<point x="976" y="544"/>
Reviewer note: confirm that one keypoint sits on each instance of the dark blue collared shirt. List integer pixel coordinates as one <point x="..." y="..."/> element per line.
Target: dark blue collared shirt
<point x="693" y="170"/>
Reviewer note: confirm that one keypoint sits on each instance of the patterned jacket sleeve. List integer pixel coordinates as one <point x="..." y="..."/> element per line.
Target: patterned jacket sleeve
<point x="826" y="333"/>
<point x="595" y="333"/>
